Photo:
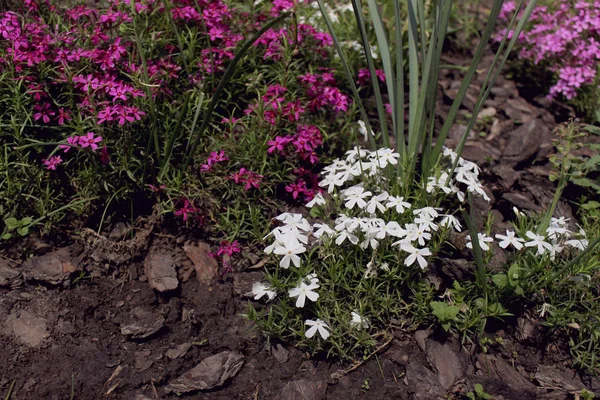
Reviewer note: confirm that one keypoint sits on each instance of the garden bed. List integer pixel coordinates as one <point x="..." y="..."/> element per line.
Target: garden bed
<point x="160" y="300"/>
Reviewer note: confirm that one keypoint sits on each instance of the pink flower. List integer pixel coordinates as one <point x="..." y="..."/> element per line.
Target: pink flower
<point x="73" y="141"/>
<point x="228" y="248"/>
<point x="52" y="162"/>
<point x="89" y="141"/>
<point x="186" y="209"/>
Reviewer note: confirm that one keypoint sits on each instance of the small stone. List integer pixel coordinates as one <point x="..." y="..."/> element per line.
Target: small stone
<point x="207" y="268"/>
<point x="303" y="389"/>
<point x="420" y="337"/>
<point x="212" y="372"/>
<point x="160" y="271"/>
<point x="142" y="360"/>
<point x="28" y="328"/>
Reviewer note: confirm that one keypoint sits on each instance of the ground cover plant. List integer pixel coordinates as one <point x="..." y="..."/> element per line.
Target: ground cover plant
<point x="562" y="38"/>
<point x="305" y="144"/>
<point x="106" y="105"/>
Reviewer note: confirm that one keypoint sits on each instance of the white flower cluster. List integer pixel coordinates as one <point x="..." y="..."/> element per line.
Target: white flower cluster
<point x="557" y="238"/>
<point x="369" y="220"/>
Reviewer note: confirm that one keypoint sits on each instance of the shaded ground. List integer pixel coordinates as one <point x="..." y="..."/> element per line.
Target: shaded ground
<point x="147" y="311"/>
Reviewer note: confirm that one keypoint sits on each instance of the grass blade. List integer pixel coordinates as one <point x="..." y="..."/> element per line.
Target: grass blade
<point x="399" y="92"/>
<point x="487" y="33"/>
<point x="349" y="75"/>
<point x="356" y="4"/>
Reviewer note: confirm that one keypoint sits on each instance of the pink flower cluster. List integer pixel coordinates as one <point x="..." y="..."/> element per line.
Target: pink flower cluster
<point x="84" y="141"/>
<point x="322" y="91"/>
<point x="247" y="178"/>
<point x="364" y="76"/>
<point x="274" y="40"/>
<point x="214" y="158"/>
<point x="566" y="37"/>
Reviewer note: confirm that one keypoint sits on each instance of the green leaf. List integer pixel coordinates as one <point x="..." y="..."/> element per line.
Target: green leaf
<point x="592" y="129"/>
<point x="443" y="311"/>
<point x="11" y="222"/>
<point x="591" y="205"/>
<point x="6" y="236"/>
<point x="26" y="221"/>
<point x="23" y="231"/>
<point x="501" y="280"/>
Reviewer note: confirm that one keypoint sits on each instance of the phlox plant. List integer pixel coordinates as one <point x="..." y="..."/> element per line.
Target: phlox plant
<point x="563" y="38"/>
<point x="352" y="277"/>
<point x="162" y="101"/>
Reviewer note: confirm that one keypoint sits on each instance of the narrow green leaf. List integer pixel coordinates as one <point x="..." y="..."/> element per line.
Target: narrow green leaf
<point x="371" y="65"/>
<point x="349" y="74"/>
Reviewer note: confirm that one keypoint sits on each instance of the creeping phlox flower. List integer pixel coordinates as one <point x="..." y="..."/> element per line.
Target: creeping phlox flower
<point x="260" y="289"/>
<point x="305" y="291"/>
<point x="557" y="237"/>
<point x="317" y="326"/>
<point x="358" y="321"/>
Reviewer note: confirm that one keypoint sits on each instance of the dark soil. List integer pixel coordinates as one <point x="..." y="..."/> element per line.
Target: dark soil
<point x="140" y="317"/>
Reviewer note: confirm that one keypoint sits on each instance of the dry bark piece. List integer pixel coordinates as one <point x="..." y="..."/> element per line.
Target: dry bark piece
<point x="212" y="372"/>
<point x="555" y="378"/>
<point x="280" y="353"/>
<point x="207" y="268"/>
<point x="145" y="324"/>
<point x="304" y="389"/>
<point x="178" y="351"/>
<point x="498" y="368"/>
<point x="143" y="360"/>
<point x="29" y="329"/>
<point x="447" y="363"/>
<point x="54" y="268"/>
<point x="9" y="277"/>
<point x="160" y="271"/>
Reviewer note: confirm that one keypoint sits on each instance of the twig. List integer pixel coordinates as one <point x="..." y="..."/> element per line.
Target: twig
<point x="343" y="372"/>
<point x="10" y="389"/>
<point x="259" y="264"/>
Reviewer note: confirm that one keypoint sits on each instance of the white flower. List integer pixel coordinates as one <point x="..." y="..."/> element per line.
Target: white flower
<point x="260" y="289"/>
<point x="355" y="197"/>
<point x="418" y="232"/>
<point x="392" y="228"/>
<point x="538" y="240"/>
<point x="415" y="254"/>
<point x="383" y="157"/>
<point x="318" y="200"/>
<point x="510" y="239"/>
<point x="303" y="292"/>
<point x="483" y="241"/>
<point x="315" y="326"/>
<point x="358" y="322"/>
<point x="289" y="249"/>
<point x="427" y="212"/>
<point x="398" y="203"/>
<point x="375" y="203"/>
<point x="322" y="230"/>
<point x="580" y="244"/>
<point x="451" y="221"/>
<point x="362" y="129"/>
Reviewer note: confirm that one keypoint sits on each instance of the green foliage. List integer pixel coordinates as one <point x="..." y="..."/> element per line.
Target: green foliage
<point x="478" y="393"/>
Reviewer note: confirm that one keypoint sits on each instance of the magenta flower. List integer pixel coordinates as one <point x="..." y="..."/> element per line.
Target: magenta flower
<point x="186" y="209"/>
<point x="89" y="141"/>
<point x="73" y="142"/>
<point x="228" y="248"/>
<point x="278" y="144"/>
<point x="52" y="162"/>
